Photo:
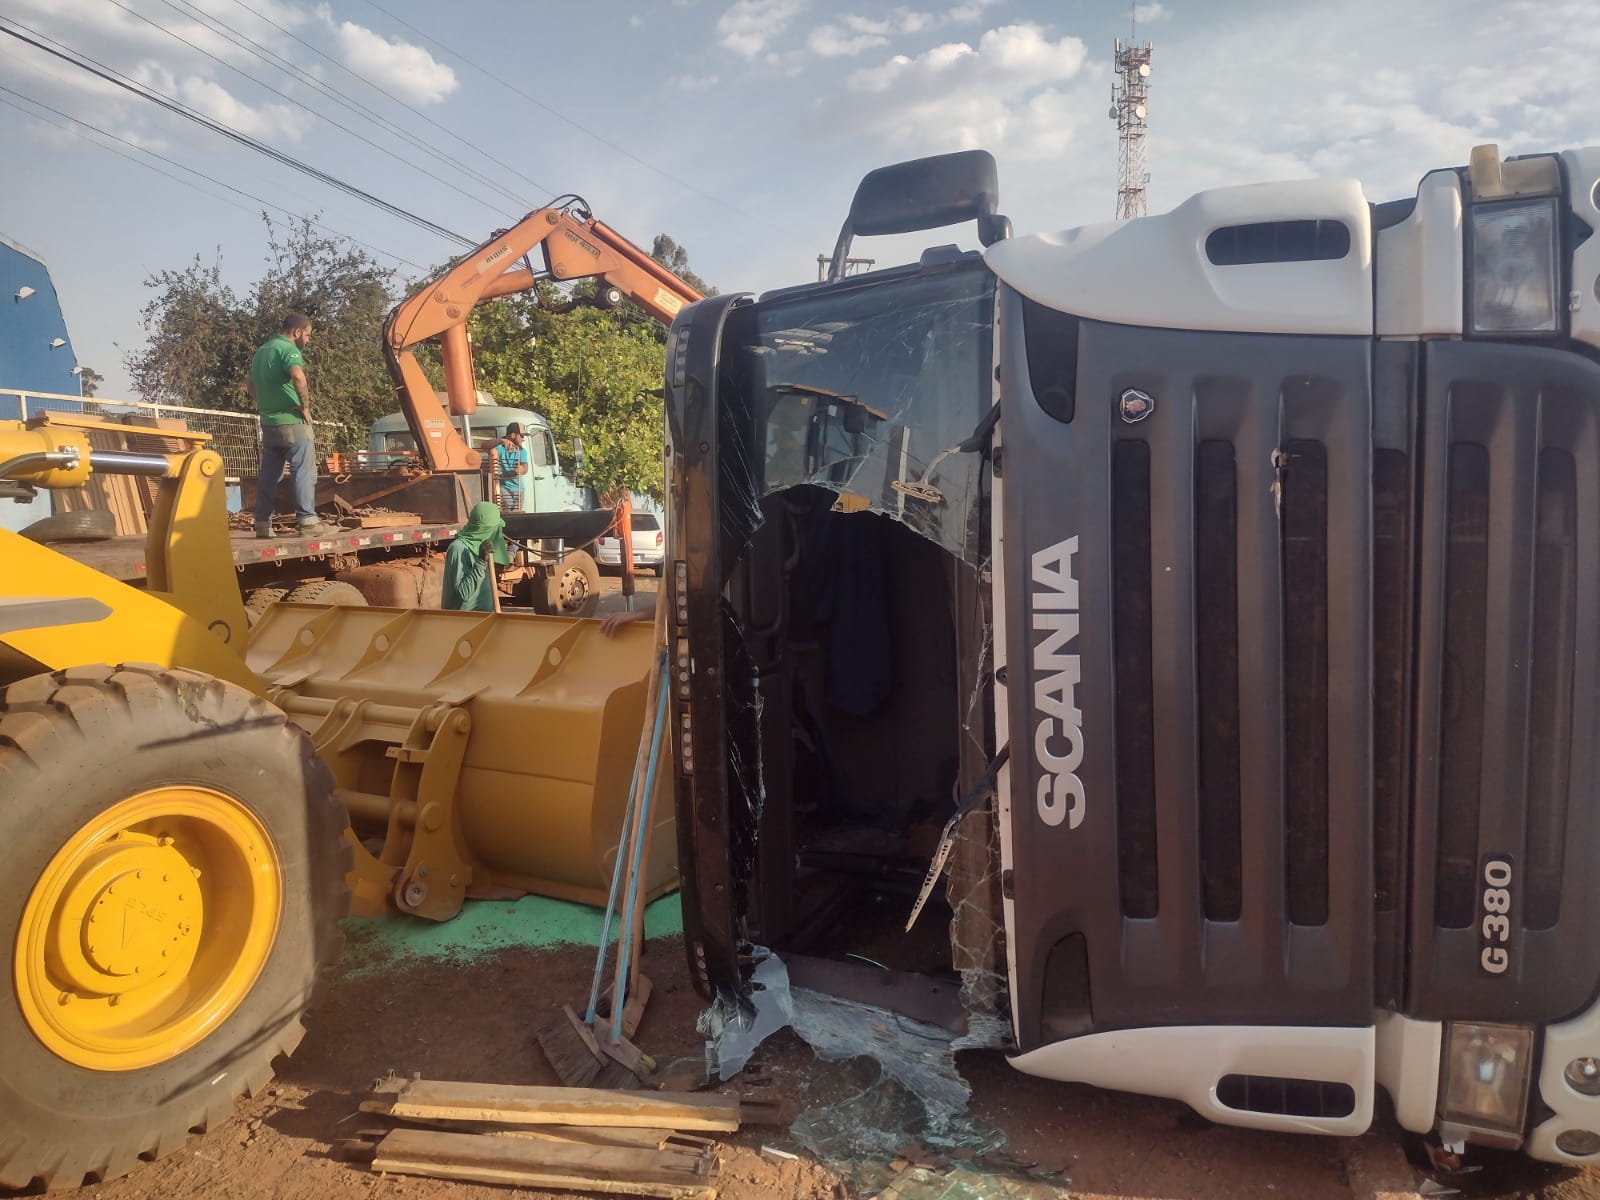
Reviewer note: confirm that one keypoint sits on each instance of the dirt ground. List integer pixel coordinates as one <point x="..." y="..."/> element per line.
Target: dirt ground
<point x="611" y="600"/>
<point x="474" y="1020"/>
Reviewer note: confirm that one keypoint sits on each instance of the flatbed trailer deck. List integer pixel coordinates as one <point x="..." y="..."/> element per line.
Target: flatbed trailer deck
<point x="124" y="557"/>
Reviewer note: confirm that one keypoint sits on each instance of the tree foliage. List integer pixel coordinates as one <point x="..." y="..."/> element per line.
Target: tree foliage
<point x="676" y="259"/>
<point x="591" y="374"/>
<point x="202" y="335"/>
<point x="89" y="380"/>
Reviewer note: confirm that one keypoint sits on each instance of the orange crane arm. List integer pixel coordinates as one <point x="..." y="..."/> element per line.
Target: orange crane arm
<point x="575" y="246"/>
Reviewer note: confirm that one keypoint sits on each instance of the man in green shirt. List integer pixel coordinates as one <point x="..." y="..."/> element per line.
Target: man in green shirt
<point x="468" y="577"/>
<point x="278" y="385"/>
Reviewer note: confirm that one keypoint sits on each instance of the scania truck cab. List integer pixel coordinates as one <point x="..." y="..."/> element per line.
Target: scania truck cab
<point x="1213" y="598"/>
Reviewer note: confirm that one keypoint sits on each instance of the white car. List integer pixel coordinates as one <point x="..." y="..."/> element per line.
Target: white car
<point x="649" y="545"/>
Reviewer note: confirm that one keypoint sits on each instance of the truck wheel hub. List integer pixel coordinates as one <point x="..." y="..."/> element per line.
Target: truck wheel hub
<point x="574" y="589"/>
<point x="148" y="928"/>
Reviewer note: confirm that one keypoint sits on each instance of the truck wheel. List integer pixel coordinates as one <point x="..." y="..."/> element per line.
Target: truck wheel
<point x="175" y="881"/>
<point x="258" y="601"/>
<point x="572" y="589"/>
<point x="327" y="591"/>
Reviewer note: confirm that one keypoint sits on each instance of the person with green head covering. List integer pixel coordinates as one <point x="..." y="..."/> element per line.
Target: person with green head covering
<point x="468" y="581"/>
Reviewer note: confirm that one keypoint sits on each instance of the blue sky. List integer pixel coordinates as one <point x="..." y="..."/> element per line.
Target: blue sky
<point x="740" y="128"/>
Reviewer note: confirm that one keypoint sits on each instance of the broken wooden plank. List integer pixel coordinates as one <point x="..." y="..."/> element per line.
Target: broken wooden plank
<point x="386" y="520"/>
<point x="511" y="1104"/>
<point x="677" y="1175"/>
<point x="609" y="1135"/>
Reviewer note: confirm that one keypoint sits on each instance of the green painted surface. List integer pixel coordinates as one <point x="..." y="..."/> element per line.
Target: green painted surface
<point x="489" y="926"/>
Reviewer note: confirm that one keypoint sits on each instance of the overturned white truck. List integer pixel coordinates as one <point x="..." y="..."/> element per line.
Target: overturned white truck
<point x="1231" y="577"/>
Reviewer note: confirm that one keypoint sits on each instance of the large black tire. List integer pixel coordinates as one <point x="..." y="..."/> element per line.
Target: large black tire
<point x="74" y="743"/>
<point x="263" y="598"/>
<point x="89" y="525"/>
<point x="327" y="591"/>
<point x="572" y="589"/>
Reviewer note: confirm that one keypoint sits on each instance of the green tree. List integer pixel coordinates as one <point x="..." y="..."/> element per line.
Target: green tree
<point x="590" y="373"/>
<point x="675" y="258"/>
<point x="584" y="372"/>
<point x="89" y="379"/>
<point x="201" y="334"/>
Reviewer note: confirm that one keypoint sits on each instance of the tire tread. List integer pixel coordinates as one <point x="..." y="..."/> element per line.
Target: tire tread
<point x="36" y="715"/>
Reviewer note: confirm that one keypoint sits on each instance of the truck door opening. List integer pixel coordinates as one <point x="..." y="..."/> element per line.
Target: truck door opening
<point x="833" y="542"/>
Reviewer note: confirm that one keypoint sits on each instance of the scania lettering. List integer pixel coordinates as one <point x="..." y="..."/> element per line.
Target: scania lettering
<point x="1055" y="627"/>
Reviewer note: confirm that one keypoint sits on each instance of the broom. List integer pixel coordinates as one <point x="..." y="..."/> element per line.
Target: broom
<point x="568" y="1042"/>
<point x="629" y="988"/>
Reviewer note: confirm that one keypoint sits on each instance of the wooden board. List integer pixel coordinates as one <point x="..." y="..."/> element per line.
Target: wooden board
<point x="509" y="1104"/>
<point x="388" y="520"/>
<point x="676" y="1173"/>
<point x="128" y="498"/>
<point x="610" y="1135"/>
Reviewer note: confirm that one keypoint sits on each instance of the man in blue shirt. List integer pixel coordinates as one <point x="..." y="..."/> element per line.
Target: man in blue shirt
<point x="510" y="465"/>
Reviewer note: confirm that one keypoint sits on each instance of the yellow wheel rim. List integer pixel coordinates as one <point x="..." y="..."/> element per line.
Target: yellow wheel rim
<point x="148" y="928"/>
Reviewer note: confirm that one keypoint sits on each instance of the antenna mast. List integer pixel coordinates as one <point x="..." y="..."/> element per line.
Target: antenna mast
<point x="1130" y="109"/>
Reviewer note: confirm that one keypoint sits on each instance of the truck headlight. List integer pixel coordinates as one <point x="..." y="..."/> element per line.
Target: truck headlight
<point x="1486" y="1073"/>
<point x="1515" y="276"/>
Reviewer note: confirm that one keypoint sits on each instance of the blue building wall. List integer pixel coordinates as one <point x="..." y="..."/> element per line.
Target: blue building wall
<point x="27" y="360"/>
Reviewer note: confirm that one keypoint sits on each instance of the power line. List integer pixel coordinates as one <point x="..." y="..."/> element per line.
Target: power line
<point x="561" y="116"/>
<point x="248" y="44"/>
<point x="499" y="162"/>
<point x="153" y="23"/>
<point x="184" y="167"/>
<point x="99" y="70"/>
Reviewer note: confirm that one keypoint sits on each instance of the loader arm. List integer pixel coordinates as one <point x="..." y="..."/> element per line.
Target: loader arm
<point x="574" y="246"/>
<point x="188" y="615"/>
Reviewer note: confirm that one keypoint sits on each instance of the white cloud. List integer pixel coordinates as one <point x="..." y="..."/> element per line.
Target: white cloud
<point x="854" y="34"/>
<point x="1318" y="102"/>
<point x="748" y="27"/>
<point x="150" y="57"/>
<point x="831" y="41"/>
<point x="1013" y="56"/>
<point x="269" y="122"/>
<point x="970" y="10"/>
<point x="1003" y="94"/>
<point x="399" y="67"/>
<point x="1149" y="14"/>
<point x="692" y="83"/>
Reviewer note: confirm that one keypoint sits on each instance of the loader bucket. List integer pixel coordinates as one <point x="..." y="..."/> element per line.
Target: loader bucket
<point x="478" y="755"/>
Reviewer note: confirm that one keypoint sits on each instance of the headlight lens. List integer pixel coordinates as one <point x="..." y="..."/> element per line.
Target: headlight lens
<point x="1487" y="1069"/>
<point x="1514" y="269"/>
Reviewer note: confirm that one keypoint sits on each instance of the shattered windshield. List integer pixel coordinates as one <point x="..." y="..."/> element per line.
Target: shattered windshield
<point x="868" y="390"/>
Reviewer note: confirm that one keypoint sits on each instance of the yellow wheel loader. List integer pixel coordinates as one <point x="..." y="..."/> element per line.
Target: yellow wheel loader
<point x="181" y="854"/>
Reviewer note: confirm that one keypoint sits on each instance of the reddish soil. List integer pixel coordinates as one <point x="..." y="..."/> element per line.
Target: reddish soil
<point x="474" y="1020"/>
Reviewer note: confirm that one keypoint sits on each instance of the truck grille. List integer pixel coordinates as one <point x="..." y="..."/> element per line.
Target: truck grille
<point x="1333" y="662"/>
<point x="1509" y="550"/>
<point x="1226" y="681"/>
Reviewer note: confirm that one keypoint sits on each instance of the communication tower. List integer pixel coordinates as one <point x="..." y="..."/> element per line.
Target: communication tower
<point x="1130" y="109"/>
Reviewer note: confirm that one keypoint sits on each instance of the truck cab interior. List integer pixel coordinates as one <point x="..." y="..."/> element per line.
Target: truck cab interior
<point x="839" y="593"/>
